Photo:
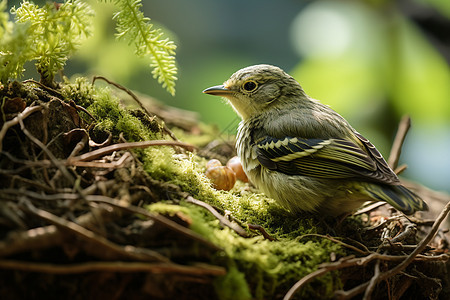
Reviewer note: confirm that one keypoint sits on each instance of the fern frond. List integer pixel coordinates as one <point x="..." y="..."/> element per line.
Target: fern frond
<point x="14" y="50"/>
<point x="134" y="27"/>
<point x="47" y="34"/>
<point x="5" y="24"/>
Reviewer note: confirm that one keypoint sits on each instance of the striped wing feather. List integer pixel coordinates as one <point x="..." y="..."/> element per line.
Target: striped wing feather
<point x="325" y="158"/>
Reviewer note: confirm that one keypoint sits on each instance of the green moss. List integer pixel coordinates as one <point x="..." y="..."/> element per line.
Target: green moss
<point x="256" y="265"/>
<point x="159" y="163"/>
<point x="80" y="91"/>
<point x="233" y="285"/>
<point x="257" y="268"/>
<point x="116" y="119"/>
<point x="167" y="208"/>
<point x="111" y="116"/>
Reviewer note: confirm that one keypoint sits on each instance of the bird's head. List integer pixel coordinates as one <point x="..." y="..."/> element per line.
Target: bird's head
<point x="255" y="89"/>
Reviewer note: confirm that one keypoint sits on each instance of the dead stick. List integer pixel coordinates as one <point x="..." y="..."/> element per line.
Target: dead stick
<point x="352" y="262"/>
<point x="422" y="245"/>
<point x="155" y="217"/>
<point x="128" y="251"/>
<point x="396" y="149"/>
<point x="101" y="199"/>
<point x="123" y="146"/>
<point x="48" y="89"/>
<point x="400" y="267"/>
<point x="345" y="263"/>
<point x="47" y="236"/>
<point x="373" y="281"/>
<point x="335" y="240"/>
<point x="27" y="111"/>
<point x="44" y="148"/>
<point x="261" y="230"/>
<point x="116" y="266"/>
<point x="224" y="221"/>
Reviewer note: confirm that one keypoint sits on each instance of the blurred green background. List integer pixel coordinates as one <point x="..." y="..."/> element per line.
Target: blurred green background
<point x="371" y="60"/>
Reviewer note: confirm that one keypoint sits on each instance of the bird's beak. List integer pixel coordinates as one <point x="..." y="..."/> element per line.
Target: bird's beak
<point x="218" y="90"/>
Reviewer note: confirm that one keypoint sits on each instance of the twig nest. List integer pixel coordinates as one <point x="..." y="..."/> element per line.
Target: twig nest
<point x="235" y="164"/>
<point x="222" y="177"/>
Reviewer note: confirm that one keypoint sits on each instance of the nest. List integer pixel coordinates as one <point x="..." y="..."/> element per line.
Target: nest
<point x="73" y="222"/>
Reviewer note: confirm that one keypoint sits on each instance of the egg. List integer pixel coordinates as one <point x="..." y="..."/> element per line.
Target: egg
<point x="235" y="164"/>
<point x="222" y="177"/>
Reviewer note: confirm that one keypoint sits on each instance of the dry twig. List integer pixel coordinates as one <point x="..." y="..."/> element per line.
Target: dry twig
<point x="400" y="267"/>
<point x="116" y="266"/>
<point x="124" y="146"/>
<point x="156" y="217"/>
<point x="364" y="251"/>
<point x="41" y="145"/>
<point x="224" y="221"/>
<point x="124" y="252"/>
<point x="261" y="230"/>
<point x="26" y="112"/>
<point x="405" y="261"/>
<point x="396" y="150"/>
<point x="351" y="261"/>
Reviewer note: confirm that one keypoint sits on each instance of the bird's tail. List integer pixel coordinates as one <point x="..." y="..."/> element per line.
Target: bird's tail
<point x="396" y="195"/>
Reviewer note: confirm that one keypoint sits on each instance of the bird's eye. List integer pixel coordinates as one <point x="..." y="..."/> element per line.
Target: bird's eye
<point x="250" y="86"/>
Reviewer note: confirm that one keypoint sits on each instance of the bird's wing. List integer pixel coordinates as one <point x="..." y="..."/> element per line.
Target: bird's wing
<point x="382" y="165"/>
<point x="331" y="158"/>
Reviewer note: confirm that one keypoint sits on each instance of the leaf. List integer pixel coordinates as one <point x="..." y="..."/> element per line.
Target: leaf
<point x="423" y="77"/>
<point x="134" y="27"/>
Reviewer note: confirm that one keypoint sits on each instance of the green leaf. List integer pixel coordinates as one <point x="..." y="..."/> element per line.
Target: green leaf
<point x="398" y="65"/>
<point x="48" y="34"/>
<point x="423" y="77"/>
<point x="134" y="27"/>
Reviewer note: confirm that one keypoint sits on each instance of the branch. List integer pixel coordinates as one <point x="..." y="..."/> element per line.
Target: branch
<point x="224" y="221"/>
<point x="400" y="267"/>
<point x="27" y="111"/>
<point x="348" y="262"/>
<point x="351" y="261"/>
<point x="396" y="149"/>
<point x="124" y="146"/>
<point x="116" y="266"/>
<point x="128" y="251"/>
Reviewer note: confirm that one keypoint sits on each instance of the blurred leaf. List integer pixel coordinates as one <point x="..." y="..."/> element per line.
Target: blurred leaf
<point x="350" y="86"/>
<point x="442" y="5"/>
<point x="397" y="64"/>
<point x="346" y="83"/>
<point x="423" y="79"/>
<point x="345" y="74"/>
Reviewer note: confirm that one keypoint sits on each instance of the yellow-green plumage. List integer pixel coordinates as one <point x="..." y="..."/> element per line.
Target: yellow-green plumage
<point x="304" y="154"/>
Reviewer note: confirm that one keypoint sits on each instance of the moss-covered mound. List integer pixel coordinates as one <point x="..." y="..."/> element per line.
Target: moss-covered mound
<point x="90" y="207"/>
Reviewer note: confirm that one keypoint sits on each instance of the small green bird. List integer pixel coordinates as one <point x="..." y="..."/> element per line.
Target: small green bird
<point x="304" y="154"/>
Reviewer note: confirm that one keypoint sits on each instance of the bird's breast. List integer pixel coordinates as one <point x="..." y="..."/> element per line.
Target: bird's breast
<point x="245" y="148"/>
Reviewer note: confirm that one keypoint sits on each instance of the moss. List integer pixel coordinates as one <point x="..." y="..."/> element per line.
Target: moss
<point x="257" y="268"/>
<point x="167" y="208"/>
<point x="158" y="162"/>
<point x="81" y="91"/>
<point x="233" y="285"/>
<point x="111" y="116"/>
<point x="255" y="265"/>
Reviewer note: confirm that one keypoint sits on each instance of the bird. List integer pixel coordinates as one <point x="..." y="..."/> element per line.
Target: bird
<point x="302" y="153"/>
